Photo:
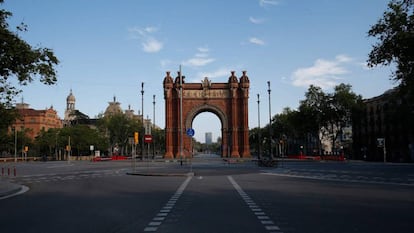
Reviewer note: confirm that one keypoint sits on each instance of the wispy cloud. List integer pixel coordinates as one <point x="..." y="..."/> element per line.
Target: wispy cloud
<point x="256" y="20"/>
<point x="222" y="72"/>
<point x="198" y="61"/>
<point x="343" y="58"/>
<point x="165" y="63"/>
<point x="201" y="58"/>
<point x="203" y="49"/>
<point x="257" y="41"/>
<point x="149" y="43"/>
<point x="264" y="3"/>
<point x="323" y="73"/>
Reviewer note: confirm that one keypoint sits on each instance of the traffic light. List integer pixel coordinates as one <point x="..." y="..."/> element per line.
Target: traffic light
<point x="136" y="137"/>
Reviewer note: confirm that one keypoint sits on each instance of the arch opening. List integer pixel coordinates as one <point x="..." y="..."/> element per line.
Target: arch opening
<point x="208" y="134"/>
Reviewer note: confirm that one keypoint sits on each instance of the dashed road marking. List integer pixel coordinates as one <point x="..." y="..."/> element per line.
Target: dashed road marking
<point x="163" y="213"/>
<point x="257" y="211"/>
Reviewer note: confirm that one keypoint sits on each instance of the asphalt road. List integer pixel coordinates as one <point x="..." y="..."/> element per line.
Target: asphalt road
<point x="306" y="197"/>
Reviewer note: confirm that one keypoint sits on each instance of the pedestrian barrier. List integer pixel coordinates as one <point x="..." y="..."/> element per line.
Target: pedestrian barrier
<point x="10" y="171"/>
<point x="340" y="157"/>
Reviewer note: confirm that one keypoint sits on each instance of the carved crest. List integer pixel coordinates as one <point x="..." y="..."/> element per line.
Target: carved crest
<point x="206" y="83"/>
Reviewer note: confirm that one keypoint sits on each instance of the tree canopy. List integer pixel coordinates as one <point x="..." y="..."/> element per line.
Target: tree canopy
<point x="395" y="34"/>
<point x="21" y="61"/>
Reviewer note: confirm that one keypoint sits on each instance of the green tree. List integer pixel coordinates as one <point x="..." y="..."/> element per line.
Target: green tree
<point x="47" y="141"/>
<point x="7" y="118"/>
<point x="20" y="60"/>
<point x="325" y="115"/>
<point x="119" y="128"/>
<point x="344" y="102"/>
<point x="255" y="140"/>
<point x="288" y="130"/>
<point x="158" y="138"/>
<point x="317" y="112"/>
<point x="81" y="137"/>
<point x="395" y="34"/>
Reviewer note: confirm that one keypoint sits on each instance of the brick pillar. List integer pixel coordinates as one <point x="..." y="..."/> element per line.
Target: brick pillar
<point x="168" y="84"/>
<point x="233" y="127"/>
<point x="244" y="85"/>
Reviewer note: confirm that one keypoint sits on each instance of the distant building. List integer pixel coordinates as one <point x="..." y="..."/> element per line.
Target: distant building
<point x="34" y="121"/>
<point x="209" y="138"/>
<point x="72" y="115"/>
<point x="113" y="108"/>
<point x="389" y="117"/>
<point x="70" y="107"/>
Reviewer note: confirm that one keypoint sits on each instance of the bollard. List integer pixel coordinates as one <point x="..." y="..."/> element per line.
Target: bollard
<point x="8" y="171"/>
<point x="14" y="171"/>
<point x="2" y="171"/>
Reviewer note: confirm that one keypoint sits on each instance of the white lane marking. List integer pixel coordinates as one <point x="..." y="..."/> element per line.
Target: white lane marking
<point x="62" y="165"/>
<point x="148" y="229"/>
<point x="154" y="223"/>
<point x="260" y="214"/>
<point x="167" y="208"/>
<point x="342" y="178"/>
<point x="271" y="228"/>
<point x="22" y="190"/>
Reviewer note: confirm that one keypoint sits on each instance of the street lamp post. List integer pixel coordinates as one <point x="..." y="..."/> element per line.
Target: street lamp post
<point x="153" y="125"/>
<point x="15" y="144"/>
<point x="142" y="118"/>
<point x="181" y="118"/>
<point x="270" y="122"/>
<point x="258" y="119"/>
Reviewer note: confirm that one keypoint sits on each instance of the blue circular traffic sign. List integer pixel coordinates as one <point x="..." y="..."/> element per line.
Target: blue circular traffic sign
<point x="190" y="132"/>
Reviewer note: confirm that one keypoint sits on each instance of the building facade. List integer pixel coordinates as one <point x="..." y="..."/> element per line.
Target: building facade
<point x="385" y="129"/>
<point x="34" y="121"/>
<point x="209" y="138"/>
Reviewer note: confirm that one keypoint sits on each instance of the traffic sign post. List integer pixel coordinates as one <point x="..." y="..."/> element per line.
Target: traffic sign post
<point x="190" y="132"/>
<point x="148" y="138"/>
<point x="381" y="143"/>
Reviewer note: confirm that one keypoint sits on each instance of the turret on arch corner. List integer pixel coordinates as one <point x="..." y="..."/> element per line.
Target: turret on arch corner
<point x="229" y="101"/>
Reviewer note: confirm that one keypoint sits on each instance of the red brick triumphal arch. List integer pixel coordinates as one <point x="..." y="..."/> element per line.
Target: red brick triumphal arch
<point x="228" y="101"/>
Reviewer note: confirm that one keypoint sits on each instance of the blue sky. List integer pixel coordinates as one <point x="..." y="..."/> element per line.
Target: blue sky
<point x="107" y="48"/>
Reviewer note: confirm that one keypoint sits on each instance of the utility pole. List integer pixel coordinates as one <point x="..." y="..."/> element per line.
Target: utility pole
<point x="258" y="119"/>
<point x="15" y="144"/>
<point x="181" y="118"/>
<point x="153" y="125"/>
<point x="142" y="118"/>
<point x="270" y="122"/>
<point x="69" y="149"/>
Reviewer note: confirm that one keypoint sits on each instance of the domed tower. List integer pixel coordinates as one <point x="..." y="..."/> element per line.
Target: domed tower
<point x="113" y="108"/>
<point x="70" y="106"/>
